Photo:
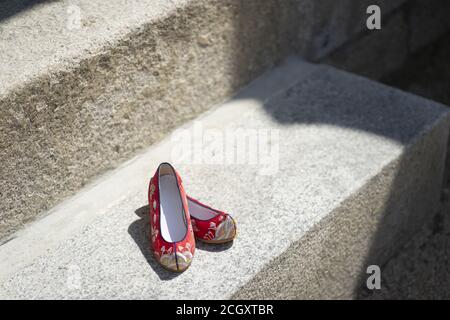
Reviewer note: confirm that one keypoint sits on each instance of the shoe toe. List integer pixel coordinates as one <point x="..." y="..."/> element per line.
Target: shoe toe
<point x="169" y="261"/>
<point x="226" y="231"/>
<point x="184" y="260"/>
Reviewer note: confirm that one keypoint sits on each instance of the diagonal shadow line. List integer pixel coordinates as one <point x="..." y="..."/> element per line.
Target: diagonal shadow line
<point x="398" y="220"/>
<point x="9" y="8"/>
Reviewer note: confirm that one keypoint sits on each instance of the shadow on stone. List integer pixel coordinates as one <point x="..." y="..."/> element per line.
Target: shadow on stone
<point x="9" y="8"/>
<point x="378" y="219"/>
<point x="213" y="247"/>
<point x="139" y="231"/>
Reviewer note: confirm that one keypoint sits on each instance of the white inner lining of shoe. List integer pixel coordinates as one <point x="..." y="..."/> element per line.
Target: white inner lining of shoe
<point x="173" y="228"/>
<point x="200" y="212"/>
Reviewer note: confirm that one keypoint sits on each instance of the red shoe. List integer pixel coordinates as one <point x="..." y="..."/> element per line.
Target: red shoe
<point x="211" y="225"/>
<point x="172" y="237"/>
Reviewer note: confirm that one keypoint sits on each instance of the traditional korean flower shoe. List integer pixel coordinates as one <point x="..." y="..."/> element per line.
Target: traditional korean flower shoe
<point x="172" y="238"/>
<point x="211" y="225"/>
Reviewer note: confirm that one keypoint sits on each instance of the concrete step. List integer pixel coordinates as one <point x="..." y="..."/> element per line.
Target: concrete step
<point x="85" y="85"/>
<point x="345" y="170"/>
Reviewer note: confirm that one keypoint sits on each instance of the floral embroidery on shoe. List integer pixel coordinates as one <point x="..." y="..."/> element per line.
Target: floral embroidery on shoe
<point x="225" y="230"/>
<point x="152" y="190"/>
<point x="155" y="233"/>
<point x="174" y="256"/>
<point x="194" y="226"/>
<point x="218" y="227"/>
<point x="184" y="259"/>
<point x="168" y="258"/>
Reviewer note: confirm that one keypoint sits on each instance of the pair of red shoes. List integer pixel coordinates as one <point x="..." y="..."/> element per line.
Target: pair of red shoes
<point x="176" y="220"/>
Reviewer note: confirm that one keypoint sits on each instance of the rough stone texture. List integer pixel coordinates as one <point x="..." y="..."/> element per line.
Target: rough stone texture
<point x="368" y="228"/>
<point x="75" y="102"/>
<point x="326" y="24"/>
<point x="420" y="270"/>
<point x="405" y="30"/>
<point x="368" y="56"/>
<point x="352" y="181"/>
<point x="427" y="73"/>
<point x="117" y="91"/>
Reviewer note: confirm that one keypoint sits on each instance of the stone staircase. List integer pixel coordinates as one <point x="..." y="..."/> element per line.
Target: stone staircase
<point x="349" y="170"/>
<point x="344" y="171"/>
